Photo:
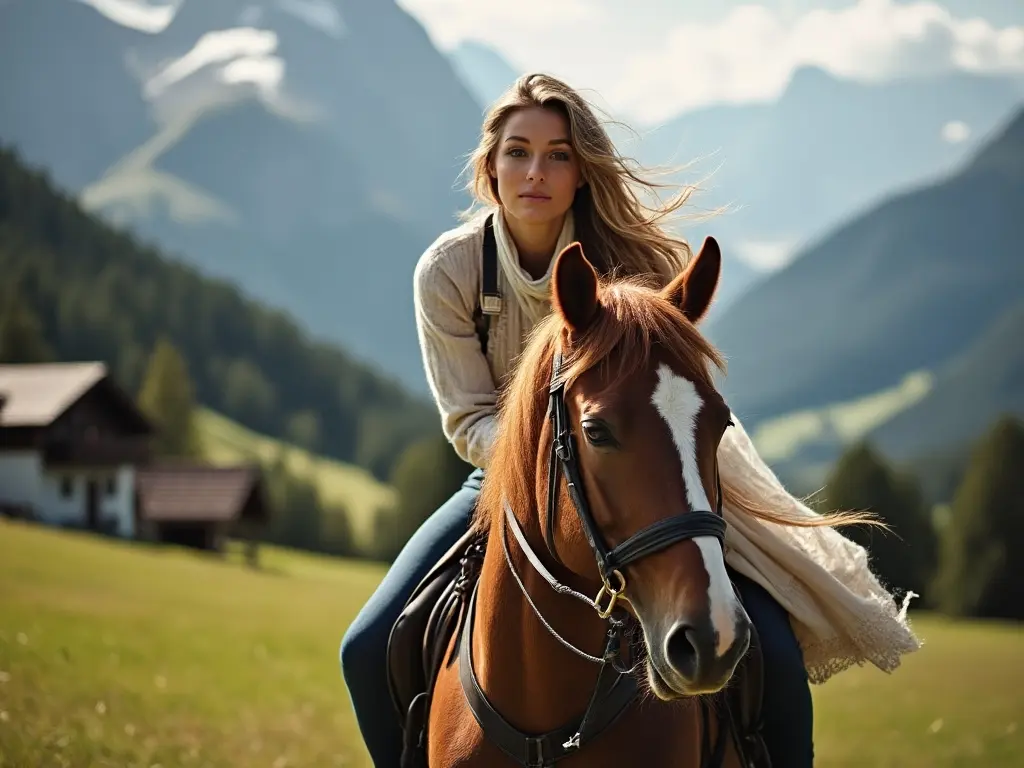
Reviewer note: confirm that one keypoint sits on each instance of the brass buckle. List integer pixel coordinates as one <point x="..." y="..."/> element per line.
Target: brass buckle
<point x="612" y="593"/>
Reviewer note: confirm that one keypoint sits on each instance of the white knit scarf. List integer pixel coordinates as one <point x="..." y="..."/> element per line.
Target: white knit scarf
<point x="841" y="614"/>
<point x="534" y="296"/>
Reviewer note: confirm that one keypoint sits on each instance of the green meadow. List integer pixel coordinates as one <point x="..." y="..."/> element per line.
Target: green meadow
<point x="353" y="488"/>
<point x="118" y="654"/>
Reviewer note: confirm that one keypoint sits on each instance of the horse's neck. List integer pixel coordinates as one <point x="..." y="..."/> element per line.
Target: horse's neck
<point x="535" y="682"/>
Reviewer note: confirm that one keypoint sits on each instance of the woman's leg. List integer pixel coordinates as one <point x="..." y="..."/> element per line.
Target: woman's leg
<point x="787" y="710"/>
<point x="364" y="646"/>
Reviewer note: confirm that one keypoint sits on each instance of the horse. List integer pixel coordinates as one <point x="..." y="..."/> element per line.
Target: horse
<point x="612" y="635"/>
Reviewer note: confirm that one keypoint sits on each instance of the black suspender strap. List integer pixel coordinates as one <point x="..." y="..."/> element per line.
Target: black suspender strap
<point x="490" y="299"/>
<point x="489" y="302"/>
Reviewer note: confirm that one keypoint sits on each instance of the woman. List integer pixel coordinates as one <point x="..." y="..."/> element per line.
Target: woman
<point x="550" y="174"/>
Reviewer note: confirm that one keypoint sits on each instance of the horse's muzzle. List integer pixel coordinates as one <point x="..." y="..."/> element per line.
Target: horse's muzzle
<point x="694" y="664"/>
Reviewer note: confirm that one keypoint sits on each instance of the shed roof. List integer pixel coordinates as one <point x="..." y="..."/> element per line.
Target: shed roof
<point x="199" y="493"/>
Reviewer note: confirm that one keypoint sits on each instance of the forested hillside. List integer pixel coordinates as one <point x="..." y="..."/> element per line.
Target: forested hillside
<point x="98" y="293"/>
<point x="909" y="285"/>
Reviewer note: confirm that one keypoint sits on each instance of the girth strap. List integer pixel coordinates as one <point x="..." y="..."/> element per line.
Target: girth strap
<point x="613" y="695"/>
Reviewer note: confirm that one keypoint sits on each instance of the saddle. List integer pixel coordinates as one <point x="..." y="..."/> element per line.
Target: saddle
<point x="421" y="635"/>
<point x="435" y="614"/>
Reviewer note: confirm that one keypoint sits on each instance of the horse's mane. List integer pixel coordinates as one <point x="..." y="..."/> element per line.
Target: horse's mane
<point x="634" y="320"/>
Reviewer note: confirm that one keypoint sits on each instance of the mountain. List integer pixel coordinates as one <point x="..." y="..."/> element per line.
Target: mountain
<point x="484" y="71"/>
<point x="908" y="285"/>
<point x="283" y="152"/>
<point x="971" y="391"/>
<point x="792" y="170"/>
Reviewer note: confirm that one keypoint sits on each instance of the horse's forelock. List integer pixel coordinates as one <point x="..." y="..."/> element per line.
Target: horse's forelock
<point x="634" y="320"/>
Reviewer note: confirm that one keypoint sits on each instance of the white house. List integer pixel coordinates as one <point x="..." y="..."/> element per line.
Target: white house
<point x="70" y="442"/>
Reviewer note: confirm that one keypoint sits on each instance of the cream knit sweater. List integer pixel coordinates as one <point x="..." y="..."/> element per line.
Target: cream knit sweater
<point x="840" y="613"/>
<point x="446" y="289"/>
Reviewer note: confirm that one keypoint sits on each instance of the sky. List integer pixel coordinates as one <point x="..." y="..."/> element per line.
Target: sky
<point x="651" y="59"/>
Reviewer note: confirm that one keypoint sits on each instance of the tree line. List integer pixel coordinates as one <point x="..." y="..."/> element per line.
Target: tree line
<point x="75" y="288"/>
<point x="93" y="292"/>
<point x="964" y="558"/>
<point x="425" y="475"/>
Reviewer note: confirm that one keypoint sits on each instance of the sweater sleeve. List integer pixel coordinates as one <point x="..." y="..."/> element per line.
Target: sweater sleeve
<point x="457" y="372"/>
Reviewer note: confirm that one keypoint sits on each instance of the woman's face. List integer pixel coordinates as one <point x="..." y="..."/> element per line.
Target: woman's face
<point x="537" y="170"/>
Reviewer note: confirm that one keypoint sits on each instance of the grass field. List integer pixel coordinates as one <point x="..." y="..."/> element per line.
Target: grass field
<point x="227" y="442"/>
<point x="114" y="654"/>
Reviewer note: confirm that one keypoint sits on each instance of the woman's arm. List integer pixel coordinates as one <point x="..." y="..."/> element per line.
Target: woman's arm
<point x="457" y="371"/>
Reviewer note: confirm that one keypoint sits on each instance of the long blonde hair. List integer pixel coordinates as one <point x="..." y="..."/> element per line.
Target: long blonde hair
<point x="620" y="233"/>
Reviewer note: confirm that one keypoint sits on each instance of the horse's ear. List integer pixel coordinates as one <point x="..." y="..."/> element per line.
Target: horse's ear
<point x="574" y="287"/>
<point x="693" y="290"/>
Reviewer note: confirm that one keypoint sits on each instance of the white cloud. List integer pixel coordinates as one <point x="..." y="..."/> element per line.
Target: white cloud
<point x="265" y="72"/>
<point x="955" y="131"/>
<point x="451" y="21"/>
<point x="573" y="39"/>
<point x="649" y="60"/>
<point x="137" y="14"/>
<point x="766" y="255"/>
<point x="752" y="52"/>
<point x="217" y="47"/>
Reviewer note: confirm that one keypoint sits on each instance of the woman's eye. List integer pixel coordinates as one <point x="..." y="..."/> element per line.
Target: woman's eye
<point x="561" y="156"/>
<point x="517" y="152"/>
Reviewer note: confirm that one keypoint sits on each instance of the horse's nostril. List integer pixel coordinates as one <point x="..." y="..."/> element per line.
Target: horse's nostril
<point x="681" y="650"/>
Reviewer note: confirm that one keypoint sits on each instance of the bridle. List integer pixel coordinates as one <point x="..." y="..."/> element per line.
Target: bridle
<point x="613" y="693"/>
<point x="647" y="541"/>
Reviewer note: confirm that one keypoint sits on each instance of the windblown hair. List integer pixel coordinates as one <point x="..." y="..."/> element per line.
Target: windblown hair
<point x="633" y="322"/>
<point x="620" y="234"/>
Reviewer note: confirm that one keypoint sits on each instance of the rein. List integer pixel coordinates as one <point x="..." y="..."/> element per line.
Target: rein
<point x="613" y="693"/>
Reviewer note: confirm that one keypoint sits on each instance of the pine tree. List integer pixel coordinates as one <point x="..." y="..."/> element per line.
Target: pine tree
<point x="902" y="557"/>
<point x="982" y="563"/>
<point x="167" y="398"/>
<point x="299" y="517"/>
<point x="425" y="476"/>
<point x="21" y="334"/>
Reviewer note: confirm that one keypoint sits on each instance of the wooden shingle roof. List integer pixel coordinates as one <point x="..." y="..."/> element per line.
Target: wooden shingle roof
<point x="183" y="492"/>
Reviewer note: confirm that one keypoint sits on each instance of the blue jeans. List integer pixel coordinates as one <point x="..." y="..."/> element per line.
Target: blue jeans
<point x="788" y="715"/>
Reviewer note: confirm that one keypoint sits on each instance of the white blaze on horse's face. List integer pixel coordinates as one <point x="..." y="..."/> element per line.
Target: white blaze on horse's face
<point x="679" y="404"/>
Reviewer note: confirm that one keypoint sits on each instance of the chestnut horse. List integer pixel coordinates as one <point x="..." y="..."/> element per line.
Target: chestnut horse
<point x="618" y="569"/>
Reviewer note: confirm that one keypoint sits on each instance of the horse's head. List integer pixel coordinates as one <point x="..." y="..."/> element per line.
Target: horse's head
<point x="642" y="424"/>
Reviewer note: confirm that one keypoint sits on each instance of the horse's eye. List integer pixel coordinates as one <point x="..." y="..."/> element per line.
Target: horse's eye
<point x="597" y="433"/>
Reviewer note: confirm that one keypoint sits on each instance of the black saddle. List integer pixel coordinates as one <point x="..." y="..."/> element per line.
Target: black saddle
<point x="421" y="635"/>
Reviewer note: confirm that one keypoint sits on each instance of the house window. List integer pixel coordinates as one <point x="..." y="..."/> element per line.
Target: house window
<point x="111" y="485"/>
<point x="65" y="487"/>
